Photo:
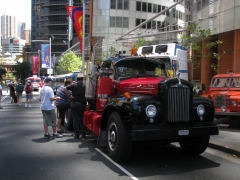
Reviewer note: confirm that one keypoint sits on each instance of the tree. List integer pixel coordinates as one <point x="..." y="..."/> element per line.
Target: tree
<point x="22" y="70"/>
<point x="11" y="77"/>
<point x="140" y="42"/>
<point x="70" y="62"/>
<point x="2" y="72"/>
<point x="197" y="40"/>
<point x="110" y="53"/>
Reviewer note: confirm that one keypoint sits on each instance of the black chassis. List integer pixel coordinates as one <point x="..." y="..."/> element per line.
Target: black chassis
<point x="133" y="112"/>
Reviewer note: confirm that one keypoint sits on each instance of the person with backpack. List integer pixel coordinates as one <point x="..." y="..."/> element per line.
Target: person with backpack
<point x="28" y="89"/>
<point x="19" y="91"/>
<point x="11" y="87"/>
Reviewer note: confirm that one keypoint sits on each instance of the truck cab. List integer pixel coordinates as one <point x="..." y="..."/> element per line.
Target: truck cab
<point x="224" y="91"/>
<point x="133" y="100"/>
<point x="36" y="82"/>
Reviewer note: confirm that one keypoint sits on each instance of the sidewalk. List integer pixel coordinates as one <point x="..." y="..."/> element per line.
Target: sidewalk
<point x="228" y="140"/>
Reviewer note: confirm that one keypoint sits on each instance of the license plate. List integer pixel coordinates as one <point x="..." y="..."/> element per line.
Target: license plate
<point x="183" y="132"/>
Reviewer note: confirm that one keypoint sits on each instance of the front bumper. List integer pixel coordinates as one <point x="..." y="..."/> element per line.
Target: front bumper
<point x="171" y="132"/>
<point x="220" y="113"/>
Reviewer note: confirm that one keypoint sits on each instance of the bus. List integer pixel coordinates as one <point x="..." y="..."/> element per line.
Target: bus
<point x="61" y="78"/>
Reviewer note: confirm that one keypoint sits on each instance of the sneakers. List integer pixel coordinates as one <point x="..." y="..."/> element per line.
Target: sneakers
<point x="26" y="105"/>
<point x="76" y="136"/>
<point x="29" y="105"/>
<point x="47" y="136"/>
<point x="56" y="135"/>
<point x="60" y="131"/>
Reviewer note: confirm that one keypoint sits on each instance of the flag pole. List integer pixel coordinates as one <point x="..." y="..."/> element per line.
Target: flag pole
<point x="83" y="38"/>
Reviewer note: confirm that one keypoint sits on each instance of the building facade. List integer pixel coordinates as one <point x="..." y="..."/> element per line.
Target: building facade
<point x="14" y="46"/>
<point x="8" y="26"/>
<point x="222" y="17"/>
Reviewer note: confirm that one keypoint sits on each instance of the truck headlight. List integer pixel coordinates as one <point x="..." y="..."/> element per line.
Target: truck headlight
<point x="234" y="103"/>
<point x="200" y="110"/>
<point x="151" y="111"/>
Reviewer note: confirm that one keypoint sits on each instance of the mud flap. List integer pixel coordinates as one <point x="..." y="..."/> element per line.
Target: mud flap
<point x="102" y="139"/>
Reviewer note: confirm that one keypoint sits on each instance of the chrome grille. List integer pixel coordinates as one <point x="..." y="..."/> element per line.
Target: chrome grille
<point x="221" y="100"/>
<point x="178" y="104"/>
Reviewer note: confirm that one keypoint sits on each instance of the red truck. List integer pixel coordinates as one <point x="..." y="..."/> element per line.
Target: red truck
<point x="132" y="99"/>
<point x="224" y="90"/>
<point x="36" y="82"/>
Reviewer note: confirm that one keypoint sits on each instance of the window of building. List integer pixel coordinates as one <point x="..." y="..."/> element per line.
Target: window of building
<point x="199" y="5"/>
<point x="144" y="26"/>
<point x="149" y="25"/>
<point x="150" y="7"/>
<point x="144" y="6"/>
<point x="126" y="4"/>
<point x="119" y="22"/>
<point x="113" y="4"/>
<point x="154" y="8"/>
<point x="139" y="6"/>
<point x="138" y="21"/>
<point x="125" y="22"/>
<point x="159" y="8"/>
<point x="120" y="4"/>
<point x="112" y="21"/>
<point x="154" y="24"/>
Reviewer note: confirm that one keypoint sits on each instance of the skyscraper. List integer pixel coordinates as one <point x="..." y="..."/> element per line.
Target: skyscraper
<point x="8" y="26"/>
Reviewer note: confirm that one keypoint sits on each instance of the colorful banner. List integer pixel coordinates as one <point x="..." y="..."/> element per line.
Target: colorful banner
<point x="45" y="52"/>
<point x="76" y="14"/>
<point x="35" y="61"/>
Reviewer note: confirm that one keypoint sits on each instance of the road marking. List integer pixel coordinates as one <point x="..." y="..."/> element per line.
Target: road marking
<point x="116" y="164"/>
<point x="4" y="97"/>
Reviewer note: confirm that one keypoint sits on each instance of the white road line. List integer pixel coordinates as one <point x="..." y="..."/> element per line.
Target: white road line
<point x="116" y="164"/>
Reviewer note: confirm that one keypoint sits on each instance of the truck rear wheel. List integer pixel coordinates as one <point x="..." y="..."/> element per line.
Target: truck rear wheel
<point x="68" y="121"/>
<point x="194" y="146"/>
<point x="119" y="144"/>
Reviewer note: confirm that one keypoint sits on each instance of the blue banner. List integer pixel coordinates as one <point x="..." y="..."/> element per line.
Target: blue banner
<point x="45" y="52"/>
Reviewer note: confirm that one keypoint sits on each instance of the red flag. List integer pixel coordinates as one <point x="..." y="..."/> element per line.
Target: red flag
<point x="76" y="14"/>
<point x="35" y="61"/>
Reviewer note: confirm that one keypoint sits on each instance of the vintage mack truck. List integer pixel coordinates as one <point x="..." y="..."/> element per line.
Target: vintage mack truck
<point x="133" y="100"/>
<point x="225" y="93"/>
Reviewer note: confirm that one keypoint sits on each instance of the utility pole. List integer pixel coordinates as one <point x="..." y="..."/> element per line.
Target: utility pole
<point x="83" y="38"/>
<point x="39" y="62"/>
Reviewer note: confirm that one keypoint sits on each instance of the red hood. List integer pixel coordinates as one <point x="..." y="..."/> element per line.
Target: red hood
<point x="140" y="85"/>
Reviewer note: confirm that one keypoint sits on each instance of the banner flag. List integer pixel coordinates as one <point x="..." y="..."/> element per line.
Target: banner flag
<point x="45" y="53"/>
<point x="76" y="14"/>
<point x="35" y="67"/>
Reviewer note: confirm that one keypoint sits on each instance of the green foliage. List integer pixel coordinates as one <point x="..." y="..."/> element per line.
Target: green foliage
<point x="110" y="53"/>
<point x="140" y="42"/>
<point x="11" y="77"/>
<point x="22" y="70"/>
<point x="194" y="39"/>
<point x="2" y="72"/>
<point x="70" y="62"/>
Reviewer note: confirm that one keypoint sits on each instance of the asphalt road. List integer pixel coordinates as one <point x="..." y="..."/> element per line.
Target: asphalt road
<point x="24" y="154"/>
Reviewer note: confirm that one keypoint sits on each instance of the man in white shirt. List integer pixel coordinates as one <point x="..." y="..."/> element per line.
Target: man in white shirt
<point x="46" y="96"/>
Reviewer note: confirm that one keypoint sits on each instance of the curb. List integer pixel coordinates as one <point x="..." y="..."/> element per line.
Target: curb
<point x="224" y="147"/>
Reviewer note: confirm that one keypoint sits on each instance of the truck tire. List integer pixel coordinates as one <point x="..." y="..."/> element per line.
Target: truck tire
<point x="68" y="121"/>
<point x="194" y="146"/>
<point x="119" y="144"/>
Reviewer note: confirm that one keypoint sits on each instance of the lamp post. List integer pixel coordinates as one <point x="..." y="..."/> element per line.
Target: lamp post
<point x="39" y="58"/>
<point x="50" y="58"/>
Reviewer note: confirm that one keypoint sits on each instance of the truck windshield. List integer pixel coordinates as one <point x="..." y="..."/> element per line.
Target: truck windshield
<point x="140" y="68"/>
<point x="225" y="82"/>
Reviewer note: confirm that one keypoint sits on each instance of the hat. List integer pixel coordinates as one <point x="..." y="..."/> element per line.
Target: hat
<point x="48" y="79"/>
<point x="80" y="75"/>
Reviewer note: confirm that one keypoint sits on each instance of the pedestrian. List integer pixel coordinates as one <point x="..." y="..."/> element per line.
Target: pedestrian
<point x="78" y="105"/>
<point x="29" y="93"/>
<point x="46" y="97"/>
<point x="19" y="91"/>
<point x="0" y="95"/>
<point x="11" y="87"/>
<point x="62" y="104"/>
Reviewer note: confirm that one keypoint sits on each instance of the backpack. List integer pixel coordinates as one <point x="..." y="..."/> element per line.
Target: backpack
<point x="20" y="88"/>
<point x="28" y="89"/>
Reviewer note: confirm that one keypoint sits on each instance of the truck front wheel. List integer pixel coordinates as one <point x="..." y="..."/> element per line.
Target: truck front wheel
<point x="194" y="146"/>
<point x="119" y="144"/>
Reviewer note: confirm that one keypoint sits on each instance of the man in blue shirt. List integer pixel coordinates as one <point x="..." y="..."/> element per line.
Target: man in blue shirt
<point x="46" y="97"/>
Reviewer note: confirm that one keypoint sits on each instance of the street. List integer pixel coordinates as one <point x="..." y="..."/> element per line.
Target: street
<point x="26" y="155"/>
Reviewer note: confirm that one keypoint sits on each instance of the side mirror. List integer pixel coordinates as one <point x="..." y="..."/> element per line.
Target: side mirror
<point x="203" y="87"/>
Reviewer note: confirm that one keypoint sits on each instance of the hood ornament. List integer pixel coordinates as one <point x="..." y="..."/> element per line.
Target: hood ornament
<point x="179" y="80"/>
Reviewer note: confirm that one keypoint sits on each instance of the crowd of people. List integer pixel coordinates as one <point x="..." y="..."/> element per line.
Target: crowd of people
<point x="70" y="95"/>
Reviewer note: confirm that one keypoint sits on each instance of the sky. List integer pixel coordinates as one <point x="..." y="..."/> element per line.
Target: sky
<point x="19" y="8"/>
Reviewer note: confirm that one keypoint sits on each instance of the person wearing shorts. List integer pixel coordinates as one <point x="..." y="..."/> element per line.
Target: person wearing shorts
<point x="18" y="93"/>
<point x="46" y="96"/>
